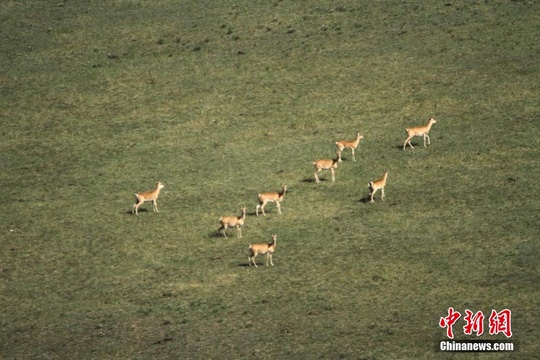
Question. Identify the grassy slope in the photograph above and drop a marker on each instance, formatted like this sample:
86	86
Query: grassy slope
221	101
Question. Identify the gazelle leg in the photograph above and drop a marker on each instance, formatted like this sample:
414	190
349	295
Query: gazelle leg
260	207
408	141
372	195
136	206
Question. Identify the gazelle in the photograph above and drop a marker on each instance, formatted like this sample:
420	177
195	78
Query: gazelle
325	164
419	131
267	197
152	196
231	221
348	144
376	185
268	249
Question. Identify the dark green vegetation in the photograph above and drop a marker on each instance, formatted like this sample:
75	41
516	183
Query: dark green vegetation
221	100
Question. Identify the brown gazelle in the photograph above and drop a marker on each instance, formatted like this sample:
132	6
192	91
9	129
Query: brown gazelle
232	221
152	196
348	144
267	197
419	131
268	249
376	185
325	164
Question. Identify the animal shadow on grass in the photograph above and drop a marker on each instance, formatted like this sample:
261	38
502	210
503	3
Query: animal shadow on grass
366	199
312	180
141	210
218	234
259	264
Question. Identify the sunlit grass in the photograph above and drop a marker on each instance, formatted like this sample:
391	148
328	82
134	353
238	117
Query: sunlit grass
222	101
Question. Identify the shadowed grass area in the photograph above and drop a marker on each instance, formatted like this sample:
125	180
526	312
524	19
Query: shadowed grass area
223	100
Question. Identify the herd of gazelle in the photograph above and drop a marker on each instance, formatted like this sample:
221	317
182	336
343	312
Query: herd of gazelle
277	197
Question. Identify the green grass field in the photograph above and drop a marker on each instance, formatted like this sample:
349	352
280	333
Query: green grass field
221	100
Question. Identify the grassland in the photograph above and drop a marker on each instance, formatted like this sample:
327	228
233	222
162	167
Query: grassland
222	100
